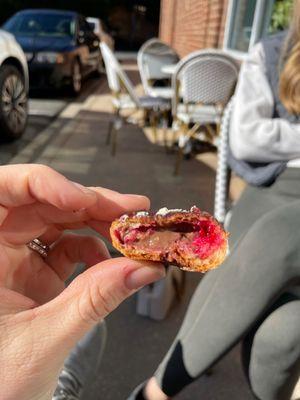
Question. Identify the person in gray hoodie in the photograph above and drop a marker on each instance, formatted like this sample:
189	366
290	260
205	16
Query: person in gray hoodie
254	296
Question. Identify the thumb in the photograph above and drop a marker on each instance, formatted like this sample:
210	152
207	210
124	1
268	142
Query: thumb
35	342
91	297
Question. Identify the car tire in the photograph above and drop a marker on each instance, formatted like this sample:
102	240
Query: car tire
13	104
76	78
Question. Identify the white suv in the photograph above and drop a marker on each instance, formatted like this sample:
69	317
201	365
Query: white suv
14	85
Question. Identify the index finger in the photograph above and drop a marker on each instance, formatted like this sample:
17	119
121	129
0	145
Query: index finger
112	204
28	183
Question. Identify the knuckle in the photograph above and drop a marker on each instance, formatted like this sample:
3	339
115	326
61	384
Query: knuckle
95	304
107	300
43	167
37	174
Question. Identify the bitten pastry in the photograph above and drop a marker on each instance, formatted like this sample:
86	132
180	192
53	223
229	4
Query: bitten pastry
192	240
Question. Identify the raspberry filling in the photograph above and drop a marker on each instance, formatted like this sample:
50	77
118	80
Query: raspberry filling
201	239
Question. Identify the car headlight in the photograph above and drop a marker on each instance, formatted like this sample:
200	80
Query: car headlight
49	57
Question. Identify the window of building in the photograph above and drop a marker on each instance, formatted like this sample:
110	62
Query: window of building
250	20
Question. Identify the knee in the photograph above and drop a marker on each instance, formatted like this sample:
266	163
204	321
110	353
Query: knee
278	336
275	352
276	345
274	239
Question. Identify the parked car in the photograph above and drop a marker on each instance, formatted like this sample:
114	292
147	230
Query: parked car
98	27
13	88
60	46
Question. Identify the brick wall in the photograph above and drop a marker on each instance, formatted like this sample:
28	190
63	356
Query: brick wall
222	25
189	25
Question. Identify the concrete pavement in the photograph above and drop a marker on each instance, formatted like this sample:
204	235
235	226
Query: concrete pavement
74	144
44	106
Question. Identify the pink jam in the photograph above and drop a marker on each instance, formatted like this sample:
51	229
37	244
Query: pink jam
208	239
202	239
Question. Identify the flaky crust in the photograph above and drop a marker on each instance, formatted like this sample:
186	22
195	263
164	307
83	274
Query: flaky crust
186	263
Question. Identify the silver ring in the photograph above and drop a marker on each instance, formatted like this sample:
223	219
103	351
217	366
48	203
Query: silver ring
39	247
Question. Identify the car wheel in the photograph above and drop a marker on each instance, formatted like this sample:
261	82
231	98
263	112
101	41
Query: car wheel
13	103
76	83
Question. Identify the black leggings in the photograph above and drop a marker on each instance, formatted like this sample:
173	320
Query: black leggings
254	296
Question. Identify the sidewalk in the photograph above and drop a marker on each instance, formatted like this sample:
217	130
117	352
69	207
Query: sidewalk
74	144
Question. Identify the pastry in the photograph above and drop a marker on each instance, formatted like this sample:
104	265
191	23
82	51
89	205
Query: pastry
192	240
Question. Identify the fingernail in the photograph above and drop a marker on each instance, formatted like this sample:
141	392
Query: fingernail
137	196
143	276
141	198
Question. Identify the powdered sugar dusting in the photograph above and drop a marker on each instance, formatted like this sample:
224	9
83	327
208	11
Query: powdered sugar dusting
142	214
164	211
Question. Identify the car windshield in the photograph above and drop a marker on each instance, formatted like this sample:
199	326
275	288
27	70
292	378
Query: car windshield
41	25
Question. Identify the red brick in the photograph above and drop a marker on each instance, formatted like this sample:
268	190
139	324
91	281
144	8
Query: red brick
190	25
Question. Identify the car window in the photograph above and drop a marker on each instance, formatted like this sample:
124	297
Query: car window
41	25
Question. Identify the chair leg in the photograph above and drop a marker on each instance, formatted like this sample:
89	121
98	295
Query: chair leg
165	131
146	117
153	120
109	132
114	141
174	135
211	133
178	161
165	134
182	141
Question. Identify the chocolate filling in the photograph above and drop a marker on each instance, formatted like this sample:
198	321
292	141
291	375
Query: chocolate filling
187	239
158	240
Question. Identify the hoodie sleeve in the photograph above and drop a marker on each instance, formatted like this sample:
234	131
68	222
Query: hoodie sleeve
254	135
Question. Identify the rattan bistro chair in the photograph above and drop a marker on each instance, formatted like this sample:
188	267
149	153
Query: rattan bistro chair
125	98
202	83
152	56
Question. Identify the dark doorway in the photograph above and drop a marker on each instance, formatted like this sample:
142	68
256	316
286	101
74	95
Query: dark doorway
133	22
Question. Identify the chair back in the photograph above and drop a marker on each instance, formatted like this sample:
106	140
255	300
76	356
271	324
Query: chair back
116	76
152	56
223	171
205	77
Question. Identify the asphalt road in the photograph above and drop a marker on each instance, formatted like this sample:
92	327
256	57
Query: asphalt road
44	106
